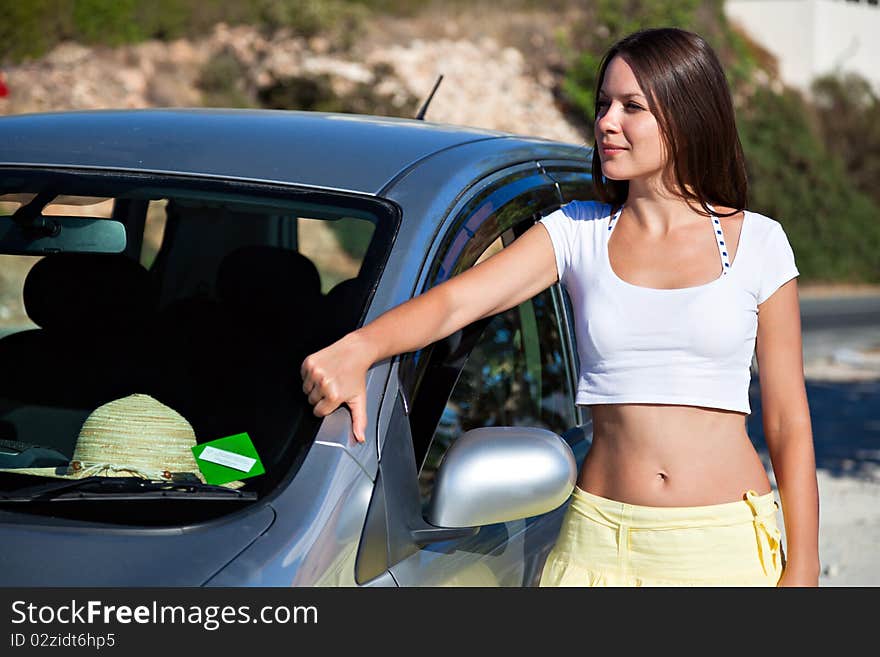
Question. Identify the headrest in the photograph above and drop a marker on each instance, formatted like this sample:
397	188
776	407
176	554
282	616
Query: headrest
347	291
268	281
342	308
84	292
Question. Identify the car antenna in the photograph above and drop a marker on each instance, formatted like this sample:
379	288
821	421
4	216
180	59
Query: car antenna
424	108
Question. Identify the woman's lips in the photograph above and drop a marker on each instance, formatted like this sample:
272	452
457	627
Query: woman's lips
611	151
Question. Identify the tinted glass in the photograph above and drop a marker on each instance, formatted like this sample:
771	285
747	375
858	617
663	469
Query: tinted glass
575	183
221	293
516	375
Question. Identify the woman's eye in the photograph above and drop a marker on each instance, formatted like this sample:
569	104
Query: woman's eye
629	106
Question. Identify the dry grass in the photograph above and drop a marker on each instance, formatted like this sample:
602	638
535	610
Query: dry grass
825	290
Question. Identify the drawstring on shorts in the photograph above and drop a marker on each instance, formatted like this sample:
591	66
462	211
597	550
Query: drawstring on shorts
769	536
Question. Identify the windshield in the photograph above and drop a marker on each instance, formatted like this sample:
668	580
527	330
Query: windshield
177	359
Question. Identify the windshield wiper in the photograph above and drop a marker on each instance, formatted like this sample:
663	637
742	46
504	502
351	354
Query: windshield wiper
123	488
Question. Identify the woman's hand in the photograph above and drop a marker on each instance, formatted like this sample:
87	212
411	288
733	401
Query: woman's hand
337	375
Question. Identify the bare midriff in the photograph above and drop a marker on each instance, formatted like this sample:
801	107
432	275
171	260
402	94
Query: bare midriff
671	455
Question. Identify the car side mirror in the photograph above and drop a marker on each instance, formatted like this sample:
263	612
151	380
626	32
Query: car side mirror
498	474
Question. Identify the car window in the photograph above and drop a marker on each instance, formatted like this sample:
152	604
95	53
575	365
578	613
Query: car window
575	182
336	247
516	374
222	291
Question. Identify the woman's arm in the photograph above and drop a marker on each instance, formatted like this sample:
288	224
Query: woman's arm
788	431
516	273
336	374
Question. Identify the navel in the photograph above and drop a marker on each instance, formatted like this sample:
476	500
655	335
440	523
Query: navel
662	476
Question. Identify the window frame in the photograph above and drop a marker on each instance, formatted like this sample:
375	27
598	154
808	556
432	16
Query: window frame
115	183
414	367
574	181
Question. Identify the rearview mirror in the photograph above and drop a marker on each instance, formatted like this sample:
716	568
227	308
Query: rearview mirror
61	234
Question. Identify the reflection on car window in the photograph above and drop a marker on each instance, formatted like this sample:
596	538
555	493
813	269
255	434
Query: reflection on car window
336	247
90	206
13	269
514	376
154	231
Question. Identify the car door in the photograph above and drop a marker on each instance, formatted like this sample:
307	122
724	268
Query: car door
515	368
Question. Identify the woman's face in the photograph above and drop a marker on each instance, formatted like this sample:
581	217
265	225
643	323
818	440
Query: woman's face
624	121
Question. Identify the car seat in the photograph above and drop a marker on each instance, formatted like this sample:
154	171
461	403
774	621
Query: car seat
92	345
271	301
192	335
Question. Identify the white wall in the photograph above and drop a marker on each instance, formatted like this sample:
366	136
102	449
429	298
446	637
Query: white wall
814	37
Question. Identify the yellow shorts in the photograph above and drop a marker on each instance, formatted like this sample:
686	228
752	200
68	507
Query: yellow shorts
607	543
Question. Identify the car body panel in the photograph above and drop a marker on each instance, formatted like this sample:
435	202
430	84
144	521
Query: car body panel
320	514
37	553
268	145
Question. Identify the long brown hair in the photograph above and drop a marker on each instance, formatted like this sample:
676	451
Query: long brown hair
688	93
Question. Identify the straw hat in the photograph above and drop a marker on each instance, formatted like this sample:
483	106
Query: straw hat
135	436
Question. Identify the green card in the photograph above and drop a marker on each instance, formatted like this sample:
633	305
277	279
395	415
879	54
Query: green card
228	459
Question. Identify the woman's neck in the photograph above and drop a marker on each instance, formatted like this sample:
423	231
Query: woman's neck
658	212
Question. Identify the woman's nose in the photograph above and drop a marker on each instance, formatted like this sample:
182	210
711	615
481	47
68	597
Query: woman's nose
608	120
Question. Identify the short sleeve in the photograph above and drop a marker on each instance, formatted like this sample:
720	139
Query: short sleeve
561	228
777	266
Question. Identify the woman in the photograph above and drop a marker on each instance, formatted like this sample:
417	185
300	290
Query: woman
672	492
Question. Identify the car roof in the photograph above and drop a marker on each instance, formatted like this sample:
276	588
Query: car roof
351	152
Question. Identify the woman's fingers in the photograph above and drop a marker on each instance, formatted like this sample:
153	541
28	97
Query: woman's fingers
334	376
309	373
318	393
357	406
314	383
324	408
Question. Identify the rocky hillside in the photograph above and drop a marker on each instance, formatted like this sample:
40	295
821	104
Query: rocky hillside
504	74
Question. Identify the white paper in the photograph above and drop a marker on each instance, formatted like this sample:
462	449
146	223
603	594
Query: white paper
229	459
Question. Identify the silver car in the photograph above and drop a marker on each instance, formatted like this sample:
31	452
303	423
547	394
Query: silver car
192	259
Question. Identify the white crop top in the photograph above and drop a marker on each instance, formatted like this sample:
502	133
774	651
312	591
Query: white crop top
691	346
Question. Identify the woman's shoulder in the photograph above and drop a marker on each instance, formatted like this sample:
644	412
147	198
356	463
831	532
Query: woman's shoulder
763	225
586	210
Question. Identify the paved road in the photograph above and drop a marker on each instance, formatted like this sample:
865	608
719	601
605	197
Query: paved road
840	312
840	325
